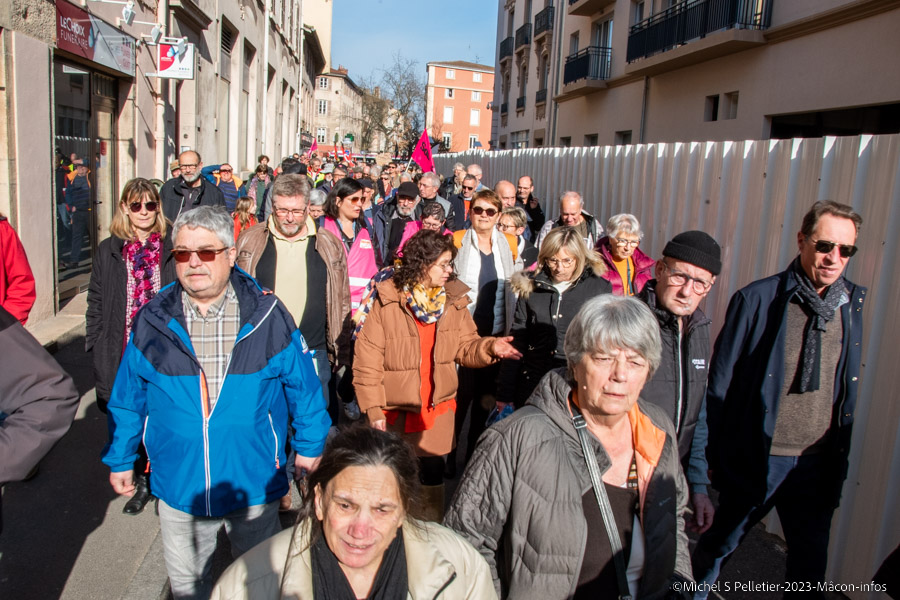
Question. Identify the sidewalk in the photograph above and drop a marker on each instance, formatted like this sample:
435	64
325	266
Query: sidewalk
66	326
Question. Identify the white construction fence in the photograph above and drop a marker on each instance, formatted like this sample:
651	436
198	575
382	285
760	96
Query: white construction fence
751	196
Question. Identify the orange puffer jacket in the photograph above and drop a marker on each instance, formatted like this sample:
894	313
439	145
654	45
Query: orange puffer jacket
386	364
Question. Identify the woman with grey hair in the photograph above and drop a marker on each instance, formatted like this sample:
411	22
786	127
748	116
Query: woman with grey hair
582	489
628	269
316	208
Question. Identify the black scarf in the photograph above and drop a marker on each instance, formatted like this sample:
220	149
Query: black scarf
329	581
819	311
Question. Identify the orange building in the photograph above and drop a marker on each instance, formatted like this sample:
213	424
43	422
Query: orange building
458	97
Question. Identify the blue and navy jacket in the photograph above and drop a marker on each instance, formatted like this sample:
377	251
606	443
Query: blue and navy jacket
213	462
746	375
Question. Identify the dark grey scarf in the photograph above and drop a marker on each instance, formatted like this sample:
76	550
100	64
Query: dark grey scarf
819	312
329	581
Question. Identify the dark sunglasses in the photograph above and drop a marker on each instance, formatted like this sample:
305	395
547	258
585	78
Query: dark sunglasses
823	247
478	210
184	256
225	171
136	206
465	187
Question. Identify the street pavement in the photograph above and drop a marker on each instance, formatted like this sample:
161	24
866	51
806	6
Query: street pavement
65	535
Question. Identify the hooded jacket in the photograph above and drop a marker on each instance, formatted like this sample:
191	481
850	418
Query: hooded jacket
211	462
387	355
539	327
17	291
106	305
520	500
679	384
746	376
643	268
440	565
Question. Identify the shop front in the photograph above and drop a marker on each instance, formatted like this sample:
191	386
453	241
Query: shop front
90	60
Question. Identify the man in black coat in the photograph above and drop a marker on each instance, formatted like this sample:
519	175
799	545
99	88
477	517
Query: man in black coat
190	190
691	261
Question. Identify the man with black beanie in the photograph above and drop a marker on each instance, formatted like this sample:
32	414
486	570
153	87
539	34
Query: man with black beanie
691	261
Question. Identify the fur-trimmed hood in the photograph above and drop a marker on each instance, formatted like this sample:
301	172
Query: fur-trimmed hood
523	282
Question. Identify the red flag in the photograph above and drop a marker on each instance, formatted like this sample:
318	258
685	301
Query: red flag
422	153
313	148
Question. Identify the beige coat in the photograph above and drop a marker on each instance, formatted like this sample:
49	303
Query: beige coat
440	566
250	246
387	358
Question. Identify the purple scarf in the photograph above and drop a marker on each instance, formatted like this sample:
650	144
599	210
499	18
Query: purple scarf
143	259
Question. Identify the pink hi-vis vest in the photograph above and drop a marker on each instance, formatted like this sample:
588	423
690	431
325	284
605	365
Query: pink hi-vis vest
361	265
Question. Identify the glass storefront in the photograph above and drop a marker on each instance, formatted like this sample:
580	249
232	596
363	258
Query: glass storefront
85	133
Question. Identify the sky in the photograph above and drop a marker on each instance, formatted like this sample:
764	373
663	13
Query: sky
367	33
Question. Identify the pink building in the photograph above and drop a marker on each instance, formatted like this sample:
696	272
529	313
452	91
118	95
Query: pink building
458	98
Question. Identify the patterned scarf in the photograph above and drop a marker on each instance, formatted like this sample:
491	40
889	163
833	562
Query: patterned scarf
426	304
368	299
144	277
819	312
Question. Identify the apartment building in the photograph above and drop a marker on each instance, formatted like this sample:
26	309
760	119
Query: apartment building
339	110
600	72
458	98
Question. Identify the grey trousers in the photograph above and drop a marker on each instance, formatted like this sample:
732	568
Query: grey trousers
189	543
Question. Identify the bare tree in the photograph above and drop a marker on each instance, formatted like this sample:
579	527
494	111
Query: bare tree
403	83
375	124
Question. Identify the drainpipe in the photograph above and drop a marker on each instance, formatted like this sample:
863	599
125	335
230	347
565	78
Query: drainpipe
554	113
302	39
162	171
265	81
644	109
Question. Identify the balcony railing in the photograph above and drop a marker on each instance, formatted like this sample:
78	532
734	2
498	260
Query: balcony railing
523	35
591	63
506	48
520	103
540	96
504	108
694	19
543	21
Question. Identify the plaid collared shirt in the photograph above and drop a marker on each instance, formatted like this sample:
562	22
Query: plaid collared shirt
213	337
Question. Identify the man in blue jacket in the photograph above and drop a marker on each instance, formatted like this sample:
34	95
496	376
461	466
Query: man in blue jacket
783	384
211	375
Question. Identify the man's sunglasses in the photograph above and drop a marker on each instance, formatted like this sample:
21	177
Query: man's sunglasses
466	187
206	255
478	210
150	206
823	247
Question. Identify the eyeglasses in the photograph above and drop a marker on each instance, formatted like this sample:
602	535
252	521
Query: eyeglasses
188	167
206	255
297	212
626	243
479	210
151	206
466	187
823	247
448	266
405	200
560	262
678	279
225	171
352	200
503	227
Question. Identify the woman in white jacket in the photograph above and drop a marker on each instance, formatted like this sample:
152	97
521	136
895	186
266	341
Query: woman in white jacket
357	536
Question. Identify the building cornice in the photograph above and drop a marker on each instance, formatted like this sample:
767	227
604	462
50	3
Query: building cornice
841	15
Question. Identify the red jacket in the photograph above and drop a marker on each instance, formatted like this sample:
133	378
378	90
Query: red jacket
16	280
643	268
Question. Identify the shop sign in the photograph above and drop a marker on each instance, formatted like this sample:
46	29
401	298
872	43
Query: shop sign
175	64
94	39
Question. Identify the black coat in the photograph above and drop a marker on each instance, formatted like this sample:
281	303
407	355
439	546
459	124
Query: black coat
684	367
172	197
105	317
539	327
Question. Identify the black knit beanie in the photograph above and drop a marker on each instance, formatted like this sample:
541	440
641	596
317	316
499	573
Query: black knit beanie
697	248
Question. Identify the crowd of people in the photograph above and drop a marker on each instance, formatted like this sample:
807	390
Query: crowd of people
234	325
